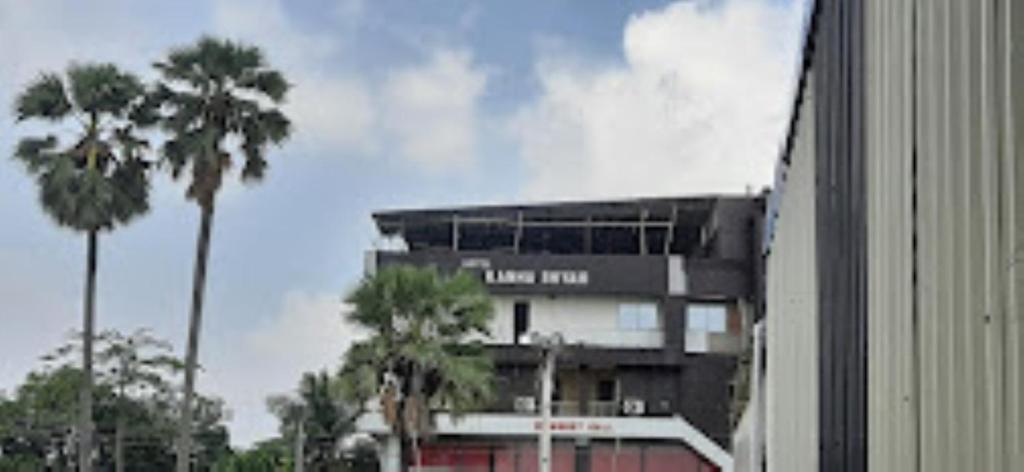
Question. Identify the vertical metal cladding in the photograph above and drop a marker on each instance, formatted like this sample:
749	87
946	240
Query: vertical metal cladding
791	382
899	242
892	409
944	235
841	245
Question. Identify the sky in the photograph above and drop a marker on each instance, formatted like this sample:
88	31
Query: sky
395	104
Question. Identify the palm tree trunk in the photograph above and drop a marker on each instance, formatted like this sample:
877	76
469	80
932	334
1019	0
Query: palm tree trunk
184	451
404	441
420	411
119	443
119	426
85	425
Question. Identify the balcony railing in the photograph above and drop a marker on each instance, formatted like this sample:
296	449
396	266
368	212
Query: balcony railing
594	408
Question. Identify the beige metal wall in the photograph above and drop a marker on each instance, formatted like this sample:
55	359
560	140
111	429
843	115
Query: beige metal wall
946	336
791	381
892	410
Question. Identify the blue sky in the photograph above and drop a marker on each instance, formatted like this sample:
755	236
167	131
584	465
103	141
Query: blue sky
396	104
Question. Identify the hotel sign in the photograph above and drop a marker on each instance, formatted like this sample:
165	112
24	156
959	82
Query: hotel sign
532	277
528	274
494	276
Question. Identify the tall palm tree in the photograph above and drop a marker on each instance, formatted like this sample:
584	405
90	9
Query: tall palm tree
214	93
91	179
420	357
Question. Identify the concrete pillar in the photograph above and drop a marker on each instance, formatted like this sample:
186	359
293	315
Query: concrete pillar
390	454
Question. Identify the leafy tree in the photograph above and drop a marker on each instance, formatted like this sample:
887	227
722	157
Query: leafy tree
36	425
215	92
267	456
419	358
136	366
37	421
318	419
90	180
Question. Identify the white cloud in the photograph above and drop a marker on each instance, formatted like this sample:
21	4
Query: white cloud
309	333
332	111
431	110
699	106
427	111
42	36
37	312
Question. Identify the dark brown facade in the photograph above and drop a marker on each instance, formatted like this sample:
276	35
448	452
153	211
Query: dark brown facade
676	252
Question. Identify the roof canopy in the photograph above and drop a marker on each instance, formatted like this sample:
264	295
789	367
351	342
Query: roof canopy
644	226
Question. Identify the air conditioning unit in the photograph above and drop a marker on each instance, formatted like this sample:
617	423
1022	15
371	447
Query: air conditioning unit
633	407
525	404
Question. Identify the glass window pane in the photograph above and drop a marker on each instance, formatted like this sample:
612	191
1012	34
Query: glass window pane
638	316
647	316
717	320
707	317
627	318
696	319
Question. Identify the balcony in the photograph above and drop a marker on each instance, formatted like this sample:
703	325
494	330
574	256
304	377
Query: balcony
594	408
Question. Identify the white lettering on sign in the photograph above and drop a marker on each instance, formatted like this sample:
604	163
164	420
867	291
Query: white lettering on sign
510	277
562	425
476	263
530	277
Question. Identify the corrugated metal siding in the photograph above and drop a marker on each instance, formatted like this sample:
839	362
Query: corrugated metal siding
892	407
841	246
792	310
944	234
941	104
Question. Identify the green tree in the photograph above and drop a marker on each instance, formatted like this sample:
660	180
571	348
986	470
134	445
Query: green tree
318	418
91	180
420	357
272	455
215	93
137	367
37	425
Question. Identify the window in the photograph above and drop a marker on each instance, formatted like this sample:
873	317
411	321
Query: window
521	320
706	318
638	316
606	390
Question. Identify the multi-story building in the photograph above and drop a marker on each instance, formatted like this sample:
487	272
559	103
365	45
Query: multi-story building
653	298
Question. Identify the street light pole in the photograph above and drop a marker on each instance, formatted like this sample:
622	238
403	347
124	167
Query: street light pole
545	410
549	346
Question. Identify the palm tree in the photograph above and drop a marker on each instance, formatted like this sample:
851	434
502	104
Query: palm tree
419	358
314	421
93	180
214	92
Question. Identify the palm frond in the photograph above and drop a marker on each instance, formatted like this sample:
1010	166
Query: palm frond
267	82
37	153
85	184
45	99
103	88
213	92
420	322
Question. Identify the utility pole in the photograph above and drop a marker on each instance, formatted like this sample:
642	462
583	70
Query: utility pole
549	345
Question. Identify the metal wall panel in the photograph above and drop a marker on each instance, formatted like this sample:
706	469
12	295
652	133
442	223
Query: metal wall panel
838	57
791	382
892	407
937	87
944	234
